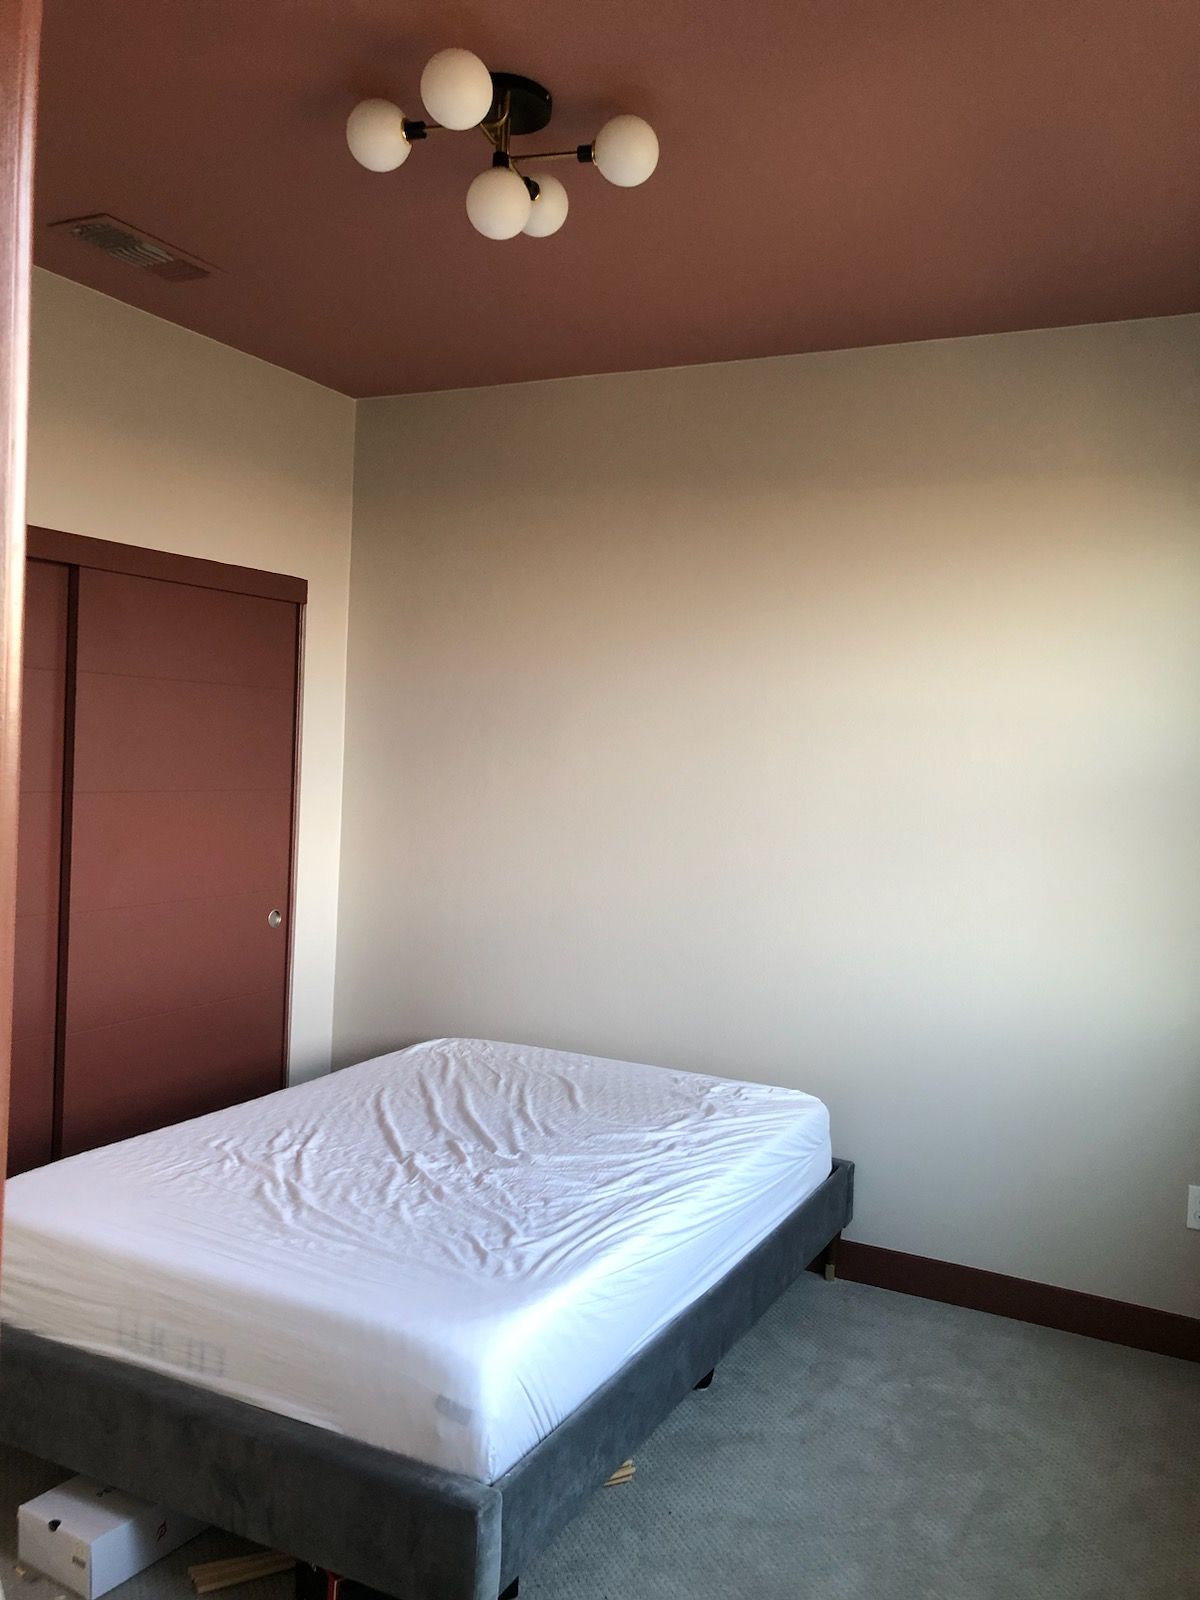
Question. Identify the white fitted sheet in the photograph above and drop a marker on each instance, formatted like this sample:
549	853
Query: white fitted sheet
443	1251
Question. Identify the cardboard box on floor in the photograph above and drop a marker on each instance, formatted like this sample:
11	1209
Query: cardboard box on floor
90	1538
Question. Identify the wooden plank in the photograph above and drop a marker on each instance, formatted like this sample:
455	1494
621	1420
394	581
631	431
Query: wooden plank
210	1576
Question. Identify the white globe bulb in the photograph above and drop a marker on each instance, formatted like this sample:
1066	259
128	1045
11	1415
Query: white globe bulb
456	89
626	151
549	211
498	203
375	134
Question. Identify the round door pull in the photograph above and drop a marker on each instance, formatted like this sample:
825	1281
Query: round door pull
274	918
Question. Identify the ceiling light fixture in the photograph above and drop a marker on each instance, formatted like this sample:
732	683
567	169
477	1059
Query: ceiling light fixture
513	195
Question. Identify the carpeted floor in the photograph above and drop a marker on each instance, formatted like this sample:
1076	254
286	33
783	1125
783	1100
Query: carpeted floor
861	1445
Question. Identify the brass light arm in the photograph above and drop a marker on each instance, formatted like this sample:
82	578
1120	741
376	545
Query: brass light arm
498	131
581	152
417	128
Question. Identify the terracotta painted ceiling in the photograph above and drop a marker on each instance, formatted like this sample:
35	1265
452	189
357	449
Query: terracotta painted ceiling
834	173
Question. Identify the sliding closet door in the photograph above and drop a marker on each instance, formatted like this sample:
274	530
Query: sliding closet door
180	845
31	1113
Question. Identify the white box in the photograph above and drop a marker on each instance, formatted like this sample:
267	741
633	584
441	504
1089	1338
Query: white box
89	1538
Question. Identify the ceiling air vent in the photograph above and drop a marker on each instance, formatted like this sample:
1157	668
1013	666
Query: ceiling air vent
139	249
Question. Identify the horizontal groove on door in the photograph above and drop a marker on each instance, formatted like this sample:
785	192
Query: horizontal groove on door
168	677
79	1031
195	900
271	788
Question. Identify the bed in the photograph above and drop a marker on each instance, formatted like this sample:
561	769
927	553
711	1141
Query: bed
401	1321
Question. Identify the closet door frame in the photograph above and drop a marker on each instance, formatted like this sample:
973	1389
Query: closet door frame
76	551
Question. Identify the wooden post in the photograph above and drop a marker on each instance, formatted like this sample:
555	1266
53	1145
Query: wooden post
830	1258
20	35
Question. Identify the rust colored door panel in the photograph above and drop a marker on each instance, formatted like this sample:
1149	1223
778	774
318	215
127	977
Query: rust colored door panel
43	697
181	819
145	848
44	648
152	735
39	847
35	991
31	1114
147	1071
156	629
35	1004
172	956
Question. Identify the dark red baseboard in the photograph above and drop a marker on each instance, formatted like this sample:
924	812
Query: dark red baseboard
1165	1332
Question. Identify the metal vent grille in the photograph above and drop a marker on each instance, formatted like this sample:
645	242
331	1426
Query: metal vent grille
139	249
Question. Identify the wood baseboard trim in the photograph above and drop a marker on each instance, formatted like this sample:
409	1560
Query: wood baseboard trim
1165	1332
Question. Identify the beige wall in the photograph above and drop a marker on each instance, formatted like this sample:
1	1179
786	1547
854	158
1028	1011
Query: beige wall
145	433
833	720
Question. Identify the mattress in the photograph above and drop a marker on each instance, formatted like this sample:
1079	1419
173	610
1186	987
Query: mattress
442	1251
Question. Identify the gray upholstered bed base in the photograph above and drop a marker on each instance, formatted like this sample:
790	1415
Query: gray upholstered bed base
409	1530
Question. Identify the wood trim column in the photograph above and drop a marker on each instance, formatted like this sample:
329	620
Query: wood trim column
20	34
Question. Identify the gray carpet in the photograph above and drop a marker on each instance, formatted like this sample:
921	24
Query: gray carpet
861	1445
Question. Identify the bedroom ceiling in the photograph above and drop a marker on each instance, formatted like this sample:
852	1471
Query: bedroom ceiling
834	173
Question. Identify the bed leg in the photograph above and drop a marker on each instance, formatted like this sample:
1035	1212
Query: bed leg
706	1380
512	1591
830	1258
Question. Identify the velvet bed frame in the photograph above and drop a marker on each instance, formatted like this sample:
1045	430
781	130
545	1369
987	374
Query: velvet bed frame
408	1530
